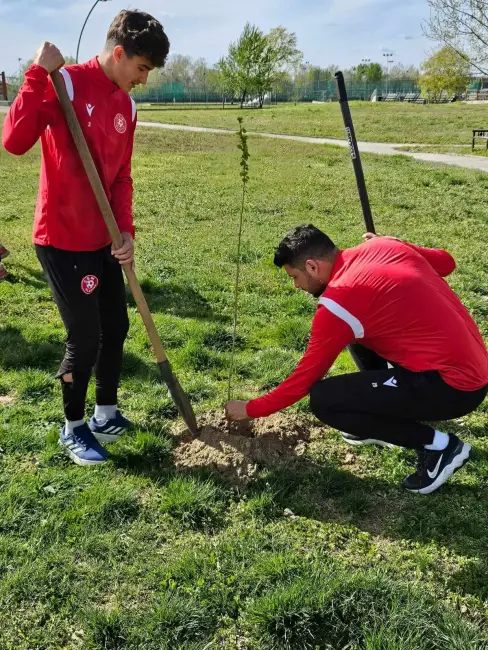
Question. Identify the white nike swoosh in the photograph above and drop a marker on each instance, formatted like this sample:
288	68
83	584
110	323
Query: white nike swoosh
436	469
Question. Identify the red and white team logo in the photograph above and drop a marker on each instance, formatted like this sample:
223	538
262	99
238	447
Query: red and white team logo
89	284
120	123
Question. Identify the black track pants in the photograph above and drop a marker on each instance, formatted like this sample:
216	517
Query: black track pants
88	288
390	404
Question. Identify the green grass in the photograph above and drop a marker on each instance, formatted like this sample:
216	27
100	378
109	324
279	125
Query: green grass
375	122
136	555
460	150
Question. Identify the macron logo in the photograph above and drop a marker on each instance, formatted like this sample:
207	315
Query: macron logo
89	108
391	382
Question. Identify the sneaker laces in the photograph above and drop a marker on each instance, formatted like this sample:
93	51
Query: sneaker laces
80	440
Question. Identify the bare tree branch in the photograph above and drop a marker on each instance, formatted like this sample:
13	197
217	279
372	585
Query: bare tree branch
463	25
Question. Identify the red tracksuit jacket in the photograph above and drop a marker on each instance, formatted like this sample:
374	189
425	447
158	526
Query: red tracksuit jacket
67	215
389	296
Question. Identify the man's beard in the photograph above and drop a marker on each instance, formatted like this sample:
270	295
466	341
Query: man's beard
315	287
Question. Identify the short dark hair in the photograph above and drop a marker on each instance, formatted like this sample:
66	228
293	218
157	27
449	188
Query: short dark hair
301	244
140	35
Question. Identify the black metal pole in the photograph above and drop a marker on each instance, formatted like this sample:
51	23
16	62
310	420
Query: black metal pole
83	29
363	358
353	146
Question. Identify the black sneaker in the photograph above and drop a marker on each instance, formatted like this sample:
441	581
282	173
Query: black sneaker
436	467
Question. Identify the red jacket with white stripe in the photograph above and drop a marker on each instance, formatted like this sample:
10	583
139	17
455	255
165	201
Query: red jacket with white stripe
389	296
67	215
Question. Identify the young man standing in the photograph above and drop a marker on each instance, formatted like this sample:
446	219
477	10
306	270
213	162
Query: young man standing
71	239
390	297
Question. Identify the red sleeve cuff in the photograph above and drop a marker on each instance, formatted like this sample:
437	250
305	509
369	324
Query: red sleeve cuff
37	72
253	410
127	227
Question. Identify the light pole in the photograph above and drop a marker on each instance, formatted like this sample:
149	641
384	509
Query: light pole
389	59
172	86
84	24
365	62
168	71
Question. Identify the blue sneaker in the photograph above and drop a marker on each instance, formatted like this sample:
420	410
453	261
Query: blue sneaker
82	447
109	431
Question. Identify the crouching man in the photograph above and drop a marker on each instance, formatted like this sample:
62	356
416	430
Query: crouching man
389	298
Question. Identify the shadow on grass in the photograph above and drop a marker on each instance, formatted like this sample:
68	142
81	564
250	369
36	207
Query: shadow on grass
176	299
454	517
21	274
17	352
134	366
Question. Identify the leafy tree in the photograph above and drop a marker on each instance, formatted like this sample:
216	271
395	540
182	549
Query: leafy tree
256	61
369	72
445	71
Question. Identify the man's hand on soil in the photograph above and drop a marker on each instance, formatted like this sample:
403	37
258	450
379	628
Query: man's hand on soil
371	235
236	411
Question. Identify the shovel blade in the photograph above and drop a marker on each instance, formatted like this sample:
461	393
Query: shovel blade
178	396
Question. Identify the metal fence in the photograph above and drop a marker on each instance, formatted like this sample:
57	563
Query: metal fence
327	90
323	91
178	93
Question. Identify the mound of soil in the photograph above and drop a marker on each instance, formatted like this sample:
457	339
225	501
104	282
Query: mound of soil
238	450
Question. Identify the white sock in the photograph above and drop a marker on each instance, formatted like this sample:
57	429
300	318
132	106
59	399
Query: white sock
71	424
440	442
105	413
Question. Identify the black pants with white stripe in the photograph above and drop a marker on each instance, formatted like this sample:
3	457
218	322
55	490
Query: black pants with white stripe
89	291
390	404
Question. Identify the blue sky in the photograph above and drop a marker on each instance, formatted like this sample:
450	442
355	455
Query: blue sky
329	31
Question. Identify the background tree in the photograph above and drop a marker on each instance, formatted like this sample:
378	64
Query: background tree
280	55
257	62
302	73
178	69
238	70
445	71
399	71
368	72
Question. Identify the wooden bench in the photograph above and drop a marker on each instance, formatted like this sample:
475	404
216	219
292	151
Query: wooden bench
481	134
